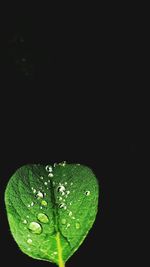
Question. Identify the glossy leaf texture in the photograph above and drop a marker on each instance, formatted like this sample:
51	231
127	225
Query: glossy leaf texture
51	209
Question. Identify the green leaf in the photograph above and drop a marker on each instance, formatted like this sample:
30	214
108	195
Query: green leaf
51	209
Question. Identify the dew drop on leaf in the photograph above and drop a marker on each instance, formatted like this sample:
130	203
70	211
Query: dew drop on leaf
29	241
62	206
43	218
50	174
70	213
87	193
25	221
39	195
63	221
49	168
35	228
62	163
68	225
77	225
61	189
43	203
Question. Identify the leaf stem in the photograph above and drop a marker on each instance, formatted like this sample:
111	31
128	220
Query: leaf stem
61	262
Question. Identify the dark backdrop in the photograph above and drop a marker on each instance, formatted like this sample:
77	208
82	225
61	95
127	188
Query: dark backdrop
66	95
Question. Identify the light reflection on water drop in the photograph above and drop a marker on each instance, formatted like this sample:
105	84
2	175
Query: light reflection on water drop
43	203
62	206
87	193
50	174
43	218
61	189
49	168
39	195
35	227
29	241
63	221
77	225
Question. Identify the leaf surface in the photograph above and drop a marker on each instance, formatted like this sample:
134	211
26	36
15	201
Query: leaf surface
51	209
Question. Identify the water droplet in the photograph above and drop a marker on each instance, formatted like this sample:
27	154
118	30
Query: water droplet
43	218
71	183
73	218
60	198
65	183
62	206
49	168
50	174
39	195
77	225
32	204
27	216
43	203
41	177
34	191
68	225
53	183
55	252
68	192
61	189
63	221
41	208
44	194
35	227
45	183
70	213
28	206
62	163
25	221
29	241
48	181
87	193
70	203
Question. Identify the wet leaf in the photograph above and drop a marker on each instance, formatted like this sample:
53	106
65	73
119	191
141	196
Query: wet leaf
51	209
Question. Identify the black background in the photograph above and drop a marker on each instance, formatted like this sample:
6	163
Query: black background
76	104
